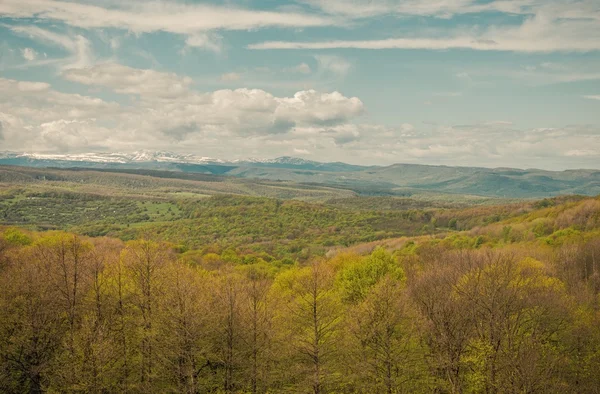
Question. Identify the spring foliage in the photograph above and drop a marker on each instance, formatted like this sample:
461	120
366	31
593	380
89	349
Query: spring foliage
507	308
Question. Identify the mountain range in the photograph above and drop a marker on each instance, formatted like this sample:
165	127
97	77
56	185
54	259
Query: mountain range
397	179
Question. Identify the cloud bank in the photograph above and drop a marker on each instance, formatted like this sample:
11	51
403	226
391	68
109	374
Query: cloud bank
164	109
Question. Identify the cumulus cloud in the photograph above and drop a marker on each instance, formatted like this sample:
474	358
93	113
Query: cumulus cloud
65	135
26	105
167	111
320	108
344	134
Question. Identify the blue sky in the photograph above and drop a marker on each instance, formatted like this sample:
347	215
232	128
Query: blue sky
457	82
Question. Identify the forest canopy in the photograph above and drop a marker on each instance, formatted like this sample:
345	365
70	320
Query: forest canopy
510	305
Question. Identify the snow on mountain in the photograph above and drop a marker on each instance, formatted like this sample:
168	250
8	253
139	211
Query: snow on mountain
152	159
163	160
279	160
119	158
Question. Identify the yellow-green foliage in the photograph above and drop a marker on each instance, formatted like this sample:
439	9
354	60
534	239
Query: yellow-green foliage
357	278
16	237
443	315
250	295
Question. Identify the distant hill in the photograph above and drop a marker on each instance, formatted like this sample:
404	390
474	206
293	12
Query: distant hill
394	180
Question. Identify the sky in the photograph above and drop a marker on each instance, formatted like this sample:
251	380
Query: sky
490	83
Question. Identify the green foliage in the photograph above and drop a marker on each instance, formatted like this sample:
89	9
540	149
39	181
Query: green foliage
357	279
235	293
450	317
16	237
506	230
542	228
280	228
560	237
453	224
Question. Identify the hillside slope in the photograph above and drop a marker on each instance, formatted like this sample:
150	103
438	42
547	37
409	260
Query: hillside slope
397	179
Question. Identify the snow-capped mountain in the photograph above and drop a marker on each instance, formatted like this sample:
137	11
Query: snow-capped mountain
145	156
157	157
294	161
122	158
162	160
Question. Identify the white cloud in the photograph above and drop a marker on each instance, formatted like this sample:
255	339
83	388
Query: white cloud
26	86
29	54
513	41
301	151
582	152
65	135
489	144
127	80
35	117
165	111
568	70
168	112
343	134
146	17
312	107
78	46
333	64
406	129
358	9
592	97
207	41
551	26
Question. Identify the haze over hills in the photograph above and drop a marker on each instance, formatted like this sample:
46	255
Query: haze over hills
397	179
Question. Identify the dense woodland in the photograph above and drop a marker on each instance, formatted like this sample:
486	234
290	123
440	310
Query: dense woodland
509	306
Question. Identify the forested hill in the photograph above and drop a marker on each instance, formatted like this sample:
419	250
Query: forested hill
397	179
155	281
509	306
271	220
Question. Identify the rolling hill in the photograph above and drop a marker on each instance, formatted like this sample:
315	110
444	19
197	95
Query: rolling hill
394	180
